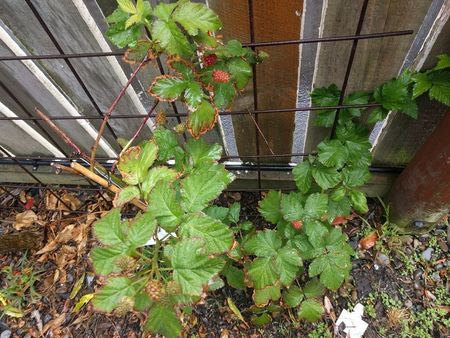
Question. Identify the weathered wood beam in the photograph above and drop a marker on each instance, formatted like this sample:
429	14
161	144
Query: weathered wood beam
23	240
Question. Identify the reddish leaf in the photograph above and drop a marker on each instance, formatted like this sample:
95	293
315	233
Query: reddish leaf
29	204
368	241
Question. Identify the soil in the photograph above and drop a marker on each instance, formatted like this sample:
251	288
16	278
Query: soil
396	280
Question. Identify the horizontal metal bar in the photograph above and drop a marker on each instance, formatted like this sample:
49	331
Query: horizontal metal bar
236	167
254	44
235	112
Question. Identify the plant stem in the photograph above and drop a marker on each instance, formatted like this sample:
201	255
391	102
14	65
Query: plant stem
155	259
111	109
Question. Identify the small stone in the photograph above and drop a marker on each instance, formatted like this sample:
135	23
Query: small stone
426	255
417	285
417	274
447	263
408	304
435	276
354	295
382	259
419	224
439	266
443	245
6	334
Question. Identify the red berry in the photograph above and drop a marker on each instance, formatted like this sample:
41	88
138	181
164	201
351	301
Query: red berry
297	224
220	76
209	60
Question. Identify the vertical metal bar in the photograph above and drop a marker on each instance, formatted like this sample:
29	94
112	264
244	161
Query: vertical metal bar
255	91
349	65
70	65
38	124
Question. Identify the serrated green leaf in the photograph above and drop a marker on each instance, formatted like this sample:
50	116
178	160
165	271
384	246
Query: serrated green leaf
142	302
316	232
135	162
325	177
303	176
192	267
127	6
355	176
393	94
359	201
444	62
155	176
288	263
440	90
377	115
269	207
202	119
135	18
338	194
219	213
316	205
293	296
141	229
110	230
168	88
126	195
234	48
333	268
354	99
110	295
201	152
104	259
332	153
195	17
163	320
305	248
292	206
224	95
325	96
234	212
421	84
203	185
171	38
262	272
241	72
262	319
193	94
164	11
117	16
262	297
235	277
163	205
122	37
218	237
310	310
264	244
313	288
339	208
167	144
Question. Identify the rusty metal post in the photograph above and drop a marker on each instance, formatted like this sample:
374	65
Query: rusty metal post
420	196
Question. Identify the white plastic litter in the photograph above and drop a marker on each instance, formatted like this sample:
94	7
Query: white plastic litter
354	325
161	234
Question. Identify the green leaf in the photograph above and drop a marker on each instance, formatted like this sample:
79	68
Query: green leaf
332	153
164	11
192	267
339	208
241	72
201	152
218	237
104	259
167	87
393	94
316	232
163	205
421	84
325	177
316	205
126	195
355	176
141	229
234	48
117	16
110	230
234	213
202	119
235	277
303	176
264	244
171	38
142	302
444	62
338	194
377	115
135	18
224	95
325	96
155	176
291	206
293	296
354	99
333	269
269	207
440	90
359	201
288	263
261	320
127	6
203	185
193	94
110	296
305	248
262	272
310	310
262	297
163	320
219	213
313	289
195	17
121	36
410	108
135	162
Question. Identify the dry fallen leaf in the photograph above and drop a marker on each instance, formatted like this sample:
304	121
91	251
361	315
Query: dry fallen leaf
368	241
25	219
63	237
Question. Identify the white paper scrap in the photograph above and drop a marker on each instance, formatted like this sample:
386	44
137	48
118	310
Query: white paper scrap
354	325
